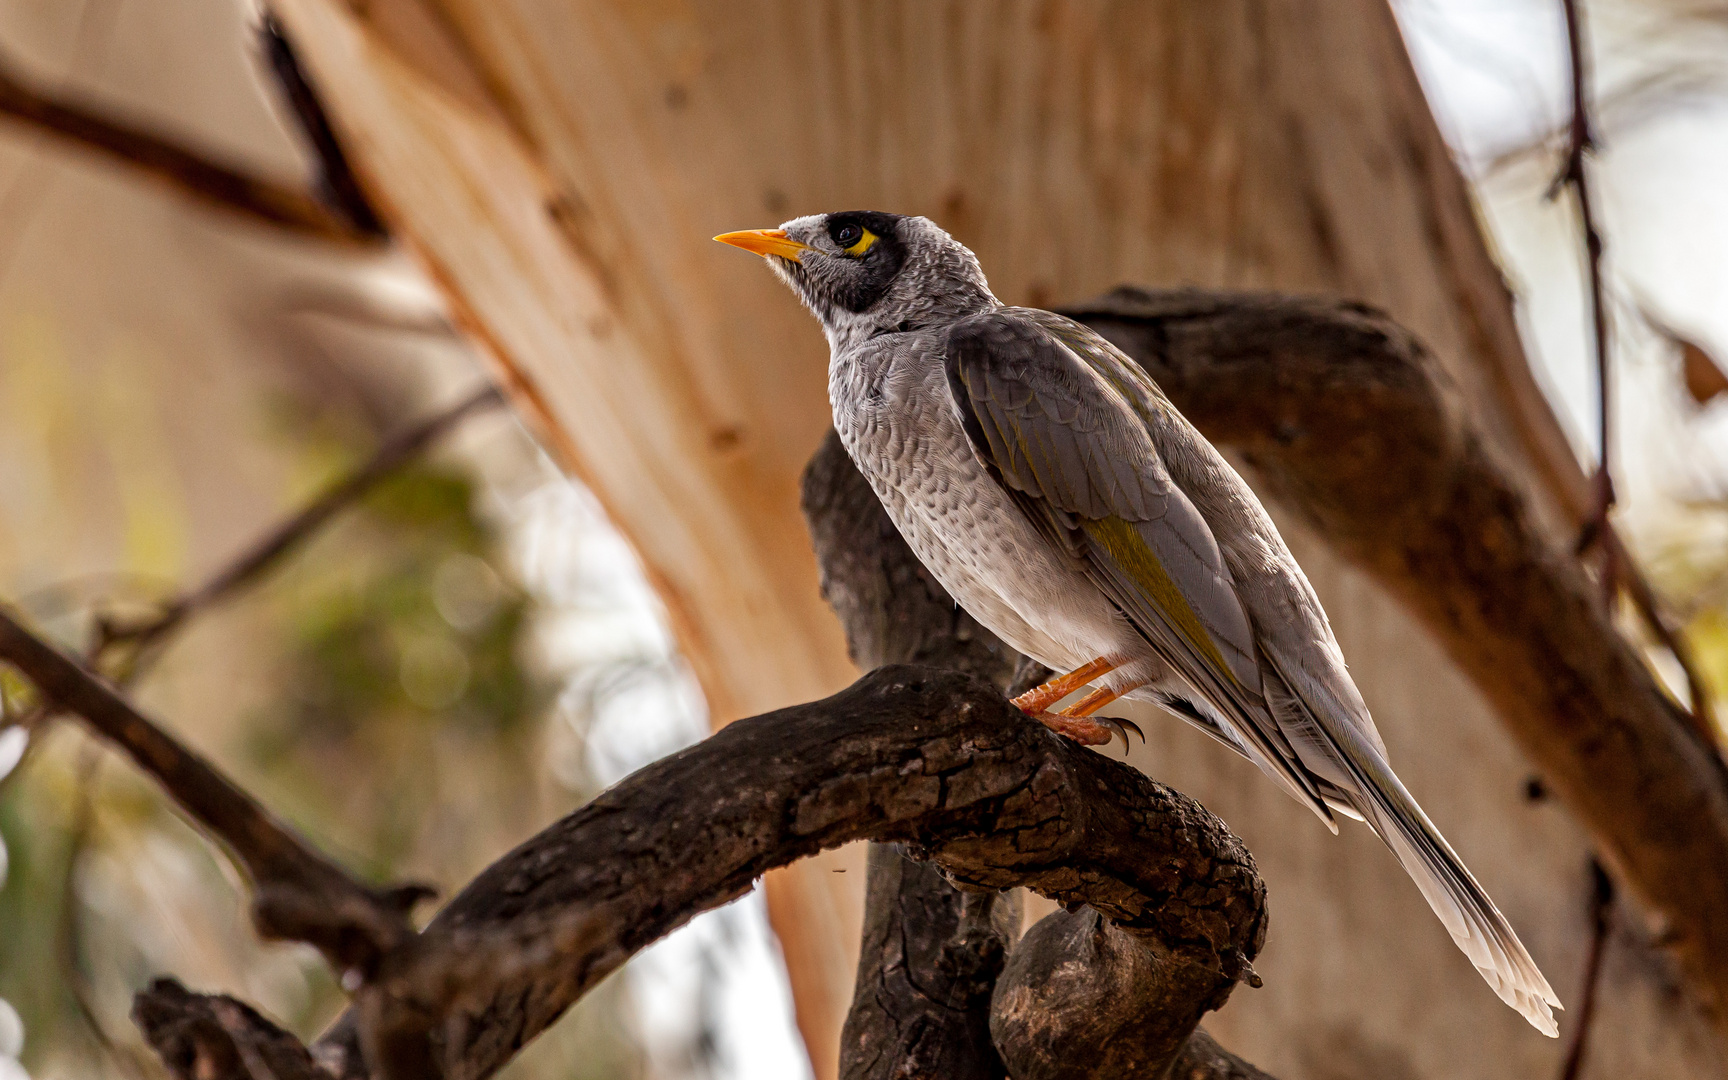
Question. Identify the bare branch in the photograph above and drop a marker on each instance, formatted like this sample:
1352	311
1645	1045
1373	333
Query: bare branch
341	188
1581	140
936	760
173	164
1598	530
1343	417
298	894
216	1037
1601	907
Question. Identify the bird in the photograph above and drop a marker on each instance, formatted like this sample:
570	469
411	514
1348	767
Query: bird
1052	488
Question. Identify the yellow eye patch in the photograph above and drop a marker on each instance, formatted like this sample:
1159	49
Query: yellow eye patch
863	243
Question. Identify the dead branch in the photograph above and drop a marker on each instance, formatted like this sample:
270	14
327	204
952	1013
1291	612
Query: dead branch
1598	530
936	760
1343	416
1601	910
1581	140
1082	1000
298	894
173	164
217	1037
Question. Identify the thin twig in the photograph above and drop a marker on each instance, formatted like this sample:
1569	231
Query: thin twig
173	163
1601	905
299	895
396	452
1598	531
1581	140
341	189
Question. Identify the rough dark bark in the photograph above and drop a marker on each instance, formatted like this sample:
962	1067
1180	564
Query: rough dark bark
930	957
1347	420
1201	1058
935	759
1082	1000
216	1037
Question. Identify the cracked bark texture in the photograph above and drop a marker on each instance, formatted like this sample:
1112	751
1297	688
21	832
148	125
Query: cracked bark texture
935	759
1081	999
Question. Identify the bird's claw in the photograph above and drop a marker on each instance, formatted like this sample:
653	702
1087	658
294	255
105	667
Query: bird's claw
1122	728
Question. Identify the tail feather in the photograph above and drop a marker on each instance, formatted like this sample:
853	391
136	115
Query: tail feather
1463	906
1360	777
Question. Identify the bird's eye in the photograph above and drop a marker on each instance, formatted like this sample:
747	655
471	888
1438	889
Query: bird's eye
853	239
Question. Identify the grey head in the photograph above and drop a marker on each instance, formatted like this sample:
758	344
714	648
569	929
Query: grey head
864	273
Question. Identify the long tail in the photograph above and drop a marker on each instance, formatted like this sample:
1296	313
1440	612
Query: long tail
1365	786
1452	891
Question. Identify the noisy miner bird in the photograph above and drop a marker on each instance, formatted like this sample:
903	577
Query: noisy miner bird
1062	500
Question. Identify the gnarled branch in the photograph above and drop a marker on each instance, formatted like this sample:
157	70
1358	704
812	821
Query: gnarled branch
933	759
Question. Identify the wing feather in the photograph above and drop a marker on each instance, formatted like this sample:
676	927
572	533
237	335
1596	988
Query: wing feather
1079	463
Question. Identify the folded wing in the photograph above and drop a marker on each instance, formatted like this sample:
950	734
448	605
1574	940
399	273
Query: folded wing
1070	451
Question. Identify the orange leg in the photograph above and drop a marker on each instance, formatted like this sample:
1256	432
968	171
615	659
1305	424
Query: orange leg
1096	700
1040	698
1076	722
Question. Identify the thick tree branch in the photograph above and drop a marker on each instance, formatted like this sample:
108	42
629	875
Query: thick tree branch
927	967
936	760
1345	419
169	162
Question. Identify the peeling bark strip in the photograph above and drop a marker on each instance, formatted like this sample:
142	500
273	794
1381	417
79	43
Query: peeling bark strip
934	759
1346	420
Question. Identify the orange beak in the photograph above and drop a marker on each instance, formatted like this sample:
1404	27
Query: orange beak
765	242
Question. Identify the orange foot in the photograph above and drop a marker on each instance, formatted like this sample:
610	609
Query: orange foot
1089	731
1086	732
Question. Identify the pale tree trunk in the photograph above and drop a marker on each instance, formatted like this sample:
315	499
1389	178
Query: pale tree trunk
560	165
